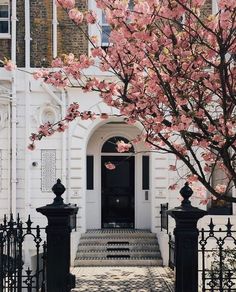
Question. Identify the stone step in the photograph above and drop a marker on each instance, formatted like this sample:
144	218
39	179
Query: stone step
116	240
135	247
88	262
114	247
105	254
114	233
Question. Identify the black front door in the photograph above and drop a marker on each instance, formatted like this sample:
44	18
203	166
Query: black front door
118	192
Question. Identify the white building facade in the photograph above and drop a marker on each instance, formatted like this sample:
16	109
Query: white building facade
137	188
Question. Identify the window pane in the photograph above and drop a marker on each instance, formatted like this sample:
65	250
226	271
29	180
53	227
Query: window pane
110	145
106	30
4	27
90	166
4	11
145	172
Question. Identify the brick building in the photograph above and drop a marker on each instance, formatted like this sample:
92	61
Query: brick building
31	34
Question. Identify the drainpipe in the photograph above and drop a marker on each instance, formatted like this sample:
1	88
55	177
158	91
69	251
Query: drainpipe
12	135
54	28
64	142
69	137
215	8
27	34
27	107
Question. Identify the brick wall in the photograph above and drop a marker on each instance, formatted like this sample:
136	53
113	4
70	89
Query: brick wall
41	32
20	32
70	37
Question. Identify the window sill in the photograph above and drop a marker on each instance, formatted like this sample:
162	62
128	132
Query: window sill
5	36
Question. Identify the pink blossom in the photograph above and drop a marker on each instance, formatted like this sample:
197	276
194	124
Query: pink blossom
192	178
57	62
122	146
61	127
9	65
46	130
204	201
33	137
91	17
220	188
76	15
110	166
172	167
104	116
97	52
173	186
31	146
67	4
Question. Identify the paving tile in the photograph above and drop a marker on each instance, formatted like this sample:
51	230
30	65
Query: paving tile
123	279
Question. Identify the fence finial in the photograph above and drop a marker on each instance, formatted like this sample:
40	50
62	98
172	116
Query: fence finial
186	192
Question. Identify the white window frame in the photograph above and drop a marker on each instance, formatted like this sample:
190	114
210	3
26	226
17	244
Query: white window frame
103	24
8	19
93	29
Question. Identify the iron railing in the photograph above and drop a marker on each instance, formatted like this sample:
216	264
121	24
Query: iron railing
15	276
171	252
164	217
217	258
217	264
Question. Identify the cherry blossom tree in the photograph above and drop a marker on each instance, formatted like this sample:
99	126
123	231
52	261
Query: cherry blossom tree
174	72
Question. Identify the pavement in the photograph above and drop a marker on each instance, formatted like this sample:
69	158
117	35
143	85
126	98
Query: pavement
123	279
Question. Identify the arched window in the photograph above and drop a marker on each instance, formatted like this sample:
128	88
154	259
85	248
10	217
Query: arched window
110	145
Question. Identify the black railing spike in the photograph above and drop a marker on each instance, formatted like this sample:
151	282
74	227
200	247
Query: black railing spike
229	225
211	226
11	221
28	223
37	231
18	221
5	220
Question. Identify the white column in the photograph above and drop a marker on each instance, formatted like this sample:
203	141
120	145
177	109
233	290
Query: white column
27	34
54	28
12	112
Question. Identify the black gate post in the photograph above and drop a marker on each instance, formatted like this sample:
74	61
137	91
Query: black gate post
58	277
186	242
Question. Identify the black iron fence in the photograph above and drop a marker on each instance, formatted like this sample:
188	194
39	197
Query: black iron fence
164	217
217	258
171	252
217	265
14	274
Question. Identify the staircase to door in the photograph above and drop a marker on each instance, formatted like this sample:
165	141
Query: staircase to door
118	247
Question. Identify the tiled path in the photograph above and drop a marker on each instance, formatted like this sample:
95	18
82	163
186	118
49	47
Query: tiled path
123	279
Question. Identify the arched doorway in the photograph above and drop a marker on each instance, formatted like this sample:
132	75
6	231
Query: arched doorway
141	196
117	186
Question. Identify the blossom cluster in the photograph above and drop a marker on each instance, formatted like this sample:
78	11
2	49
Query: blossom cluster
175	74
